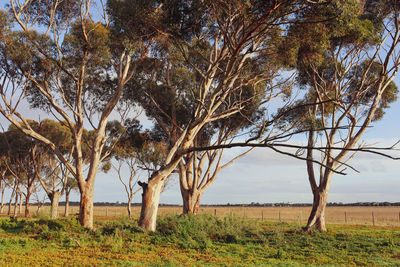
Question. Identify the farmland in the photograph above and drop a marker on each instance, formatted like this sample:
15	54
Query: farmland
351	215
193	241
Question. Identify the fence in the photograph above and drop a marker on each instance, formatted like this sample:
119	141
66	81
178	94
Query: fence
376	216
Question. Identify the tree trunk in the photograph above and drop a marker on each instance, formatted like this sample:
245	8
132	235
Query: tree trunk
317	216
150	200
15	205
20	205
130	207
9	207
191	201
86	207
54	199
66	211
10	203
11	198
196	205
38	208
27	198
2	198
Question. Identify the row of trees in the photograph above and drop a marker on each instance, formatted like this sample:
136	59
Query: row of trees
204	72
27	166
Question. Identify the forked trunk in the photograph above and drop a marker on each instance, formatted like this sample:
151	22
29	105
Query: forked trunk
54	199
150	200
320	192
317	216
86	207
66	211
191	201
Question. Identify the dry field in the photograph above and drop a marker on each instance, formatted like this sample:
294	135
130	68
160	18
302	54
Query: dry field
378	216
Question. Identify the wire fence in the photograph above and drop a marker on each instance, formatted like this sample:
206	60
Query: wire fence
375	216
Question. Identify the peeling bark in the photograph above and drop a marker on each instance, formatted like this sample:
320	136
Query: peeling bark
86	207
55	199
191	201
317	216
150	200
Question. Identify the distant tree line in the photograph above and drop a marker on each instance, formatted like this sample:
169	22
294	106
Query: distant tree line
329	204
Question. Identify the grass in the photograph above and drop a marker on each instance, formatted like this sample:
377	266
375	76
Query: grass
193	241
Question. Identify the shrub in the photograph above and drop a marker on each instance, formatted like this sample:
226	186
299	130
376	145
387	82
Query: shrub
43	228
42	215
59	225
11	224
200	231
120	225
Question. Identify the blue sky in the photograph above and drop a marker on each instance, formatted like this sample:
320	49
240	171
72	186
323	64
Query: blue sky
264	176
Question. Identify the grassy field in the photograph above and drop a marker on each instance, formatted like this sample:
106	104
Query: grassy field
193	241
379	216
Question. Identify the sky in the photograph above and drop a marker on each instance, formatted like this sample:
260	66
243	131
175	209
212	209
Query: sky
266	177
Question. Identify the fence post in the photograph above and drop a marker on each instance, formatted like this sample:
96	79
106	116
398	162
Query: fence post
215	212
345	217
279	215
262	215
373	219
106	211
300	218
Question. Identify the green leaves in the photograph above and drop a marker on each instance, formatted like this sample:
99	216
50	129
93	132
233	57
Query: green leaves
90	40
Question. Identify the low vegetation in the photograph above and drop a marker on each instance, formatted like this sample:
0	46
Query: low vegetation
193	240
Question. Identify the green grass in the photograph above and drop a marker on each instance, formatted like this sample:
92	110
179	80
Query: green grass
193	241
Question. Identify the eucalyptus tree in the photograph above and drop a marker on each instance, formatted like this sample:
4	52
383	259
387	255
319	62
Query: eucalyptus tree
31	163
3	179
50	172
199	169
71	185
135	152
347	64
124	156
18	148
13	185
64	57
204	62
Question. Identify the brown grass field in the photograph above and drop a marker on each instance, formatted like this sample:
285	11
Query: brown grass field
352	215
